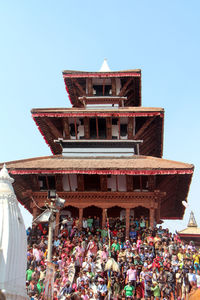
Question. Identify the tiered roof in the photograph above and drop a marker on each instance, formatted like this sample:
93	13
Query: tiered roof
50	123
123	87
76	81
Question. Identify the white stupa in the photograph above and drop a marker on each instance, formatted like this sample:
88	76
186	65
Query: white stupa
13	242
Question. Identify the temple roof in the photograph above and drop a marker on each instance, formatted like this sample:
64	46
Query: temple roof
50	123
172	178
121	73
189	231
141	165
122	111
192	228
77	82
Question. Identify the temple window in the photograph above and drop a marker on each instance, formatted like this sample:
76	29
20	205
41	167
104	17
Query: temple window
121	183
115	129
97	128
111	183
51	182
92	183
123	128
70	182
47	182
102	90
99	87
42	182
140	183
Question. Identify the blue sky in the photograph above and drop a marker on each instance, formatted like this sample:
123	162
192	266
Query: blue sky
39	39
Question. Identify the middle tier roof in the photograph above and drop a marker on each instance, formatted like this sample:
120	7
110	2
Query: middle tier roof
125	123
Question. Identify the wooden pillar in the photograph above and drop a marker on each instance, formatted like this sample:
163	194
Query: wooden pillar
90	87
151	183
86	128
59	183
109	128
129	183
66	129
103	182
151	217
113	82
80	182
57	223
130	128
127	222
103	217
80	224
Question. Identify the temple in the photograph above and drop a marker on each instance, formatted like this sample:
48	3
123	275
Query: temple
107	154
192	232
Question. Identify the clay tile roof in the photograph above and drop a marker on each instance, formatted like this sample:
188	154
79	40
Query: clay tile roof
83	111
132	165
87	73
190	231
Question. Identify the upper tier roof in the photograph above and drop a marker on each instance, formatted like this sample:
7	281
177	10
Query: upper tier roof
80	83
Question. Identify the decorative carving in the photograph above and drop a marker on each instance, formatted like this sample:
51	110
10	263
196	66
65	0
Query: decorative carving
104	199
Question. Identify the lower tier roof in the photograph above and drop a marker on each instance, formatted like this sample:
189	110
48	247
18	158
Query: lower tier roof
172	178
137	164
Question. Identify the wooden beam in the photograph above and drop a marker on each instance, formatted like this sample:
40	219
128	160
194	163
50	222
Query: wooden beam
97	128
113	82
165	181
130	98
70	186
80	182
109	128
57	134
129	183
59	183
130	128
143	128
66	128
125	87
103	86
34	182
119	128
75	125
86	128
151	183
103	182
90	87
81	90
116	183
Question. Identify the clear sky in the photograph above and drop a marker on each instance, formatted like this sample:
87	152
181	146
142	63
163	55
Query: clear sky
39	39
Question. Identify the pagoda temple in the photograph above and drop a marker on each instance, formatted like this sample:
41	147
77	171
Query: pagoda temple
107	154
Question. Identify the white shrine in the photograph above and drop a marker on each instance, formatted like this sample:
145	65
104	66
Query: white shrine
13	242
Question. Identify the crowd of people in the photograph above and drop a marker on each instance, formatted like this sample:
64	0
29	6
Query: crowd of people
103	263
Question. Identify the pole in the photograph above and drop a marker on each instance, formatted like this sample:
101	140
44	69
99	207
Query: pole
50	233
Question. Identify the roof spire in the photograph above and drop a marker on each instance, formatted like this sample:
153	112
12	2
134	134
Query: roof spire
192	222
105	67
